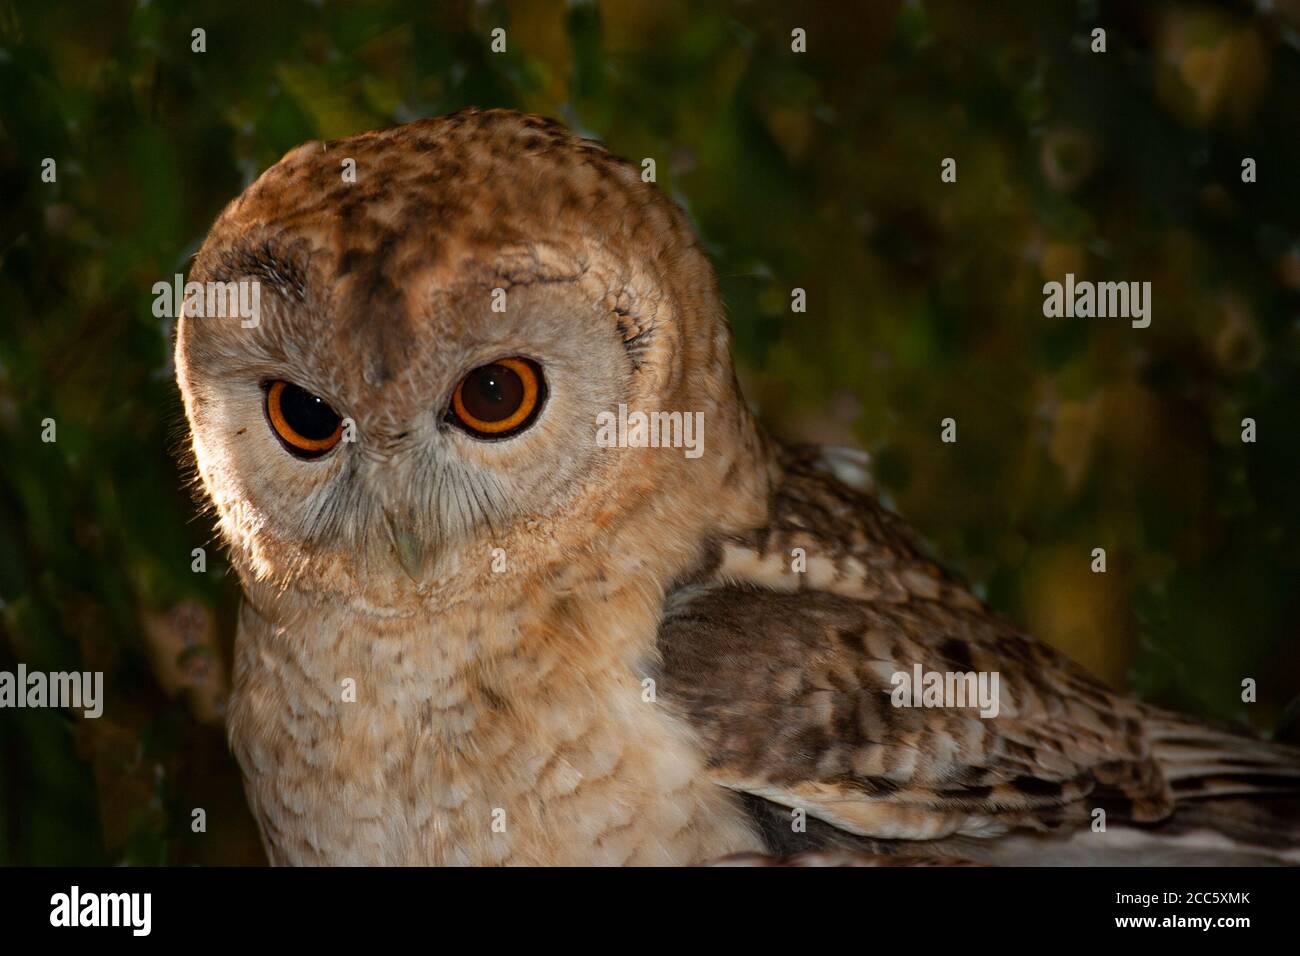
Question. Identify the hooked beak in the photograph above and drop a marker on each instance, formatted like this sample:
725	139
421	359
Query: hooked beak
410	550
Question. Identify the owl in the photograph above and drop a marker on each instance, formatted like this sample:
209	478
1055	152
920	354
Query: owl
525	582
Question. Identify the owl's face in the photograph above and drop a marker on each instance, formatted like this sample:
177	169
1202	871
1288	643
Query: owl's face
415	407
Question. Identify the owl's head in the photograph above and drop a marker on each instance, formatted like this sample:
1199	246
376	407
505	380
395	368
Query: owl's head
449	316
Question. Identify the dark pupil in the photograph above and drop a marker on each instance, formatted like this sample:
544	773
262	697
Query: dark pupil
492	393
306	414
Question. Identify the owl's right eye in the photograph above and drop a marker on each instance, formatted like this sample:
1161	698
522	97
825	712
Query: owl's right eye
304	423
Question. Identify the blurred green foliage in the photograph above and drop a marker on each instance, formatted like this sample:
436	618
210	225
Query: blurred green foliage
816	170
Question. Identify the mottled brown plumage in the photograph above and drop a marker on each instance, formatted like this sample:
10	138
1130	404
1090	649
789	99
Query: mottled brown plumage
568	653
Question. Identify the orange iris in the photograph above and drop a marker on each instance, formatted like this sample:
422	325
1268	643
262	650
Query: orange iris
305	423
498	398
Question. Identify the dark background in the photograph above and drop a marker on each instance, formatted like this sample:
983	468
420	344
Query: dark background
818	170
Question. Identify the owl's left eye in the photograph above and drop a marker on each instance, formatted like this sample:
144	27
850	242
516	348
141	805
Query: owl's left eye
303	422
499	399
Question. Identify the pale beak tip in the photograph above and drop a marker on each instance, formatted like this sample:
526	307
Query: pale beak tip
409	549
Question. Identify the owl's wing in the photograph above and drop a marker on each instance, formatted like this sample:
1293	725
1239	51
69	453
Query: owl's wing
784	657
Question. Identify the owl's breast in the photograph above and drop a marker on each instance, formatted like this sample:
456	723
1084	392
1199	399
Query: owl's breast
396	747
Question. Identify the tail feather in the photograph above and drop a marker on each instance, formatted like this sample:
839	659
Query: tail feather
1207	763
1187	750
